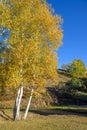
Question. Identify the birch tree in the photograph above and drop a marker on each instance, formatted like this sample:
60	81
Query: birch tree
35	35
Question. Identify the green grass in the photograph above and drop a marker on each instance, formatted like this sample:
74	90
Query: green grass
68	108
51	118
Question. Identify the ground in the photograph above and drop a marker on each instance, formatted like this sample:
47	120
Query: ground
48	119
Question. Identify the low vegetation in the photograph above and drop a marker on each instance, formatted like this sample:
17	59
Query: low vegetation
50	118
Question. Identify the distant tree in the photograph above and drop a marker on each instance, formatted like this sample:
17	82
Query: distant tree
77	69
66	66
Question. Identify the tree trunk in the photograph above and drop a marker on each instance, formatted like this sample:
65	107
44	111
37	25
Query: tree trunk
16	113
28	105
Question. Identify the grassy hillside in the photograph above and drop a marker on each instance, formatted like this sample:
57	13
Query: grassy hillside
71	90
61	94
63	76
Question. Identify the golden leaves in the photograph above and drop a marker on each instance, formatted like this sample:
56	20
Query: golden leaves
35	35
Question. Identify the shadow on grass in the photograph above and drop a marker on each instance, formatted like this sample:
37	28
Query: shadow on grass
4	115
46	112
50	111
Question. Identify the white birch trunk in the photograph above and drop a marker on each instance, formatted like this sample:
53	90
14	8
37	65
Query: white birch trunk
19	97
17	104
28	105
3	1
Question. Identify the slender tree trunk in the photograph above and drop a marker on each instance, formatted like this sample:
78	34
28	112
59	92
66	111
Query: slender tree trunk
28	105
16	113
3	1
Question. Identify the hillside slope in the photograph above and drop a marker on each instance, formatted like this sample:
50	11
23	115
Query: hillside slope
63	76
69	90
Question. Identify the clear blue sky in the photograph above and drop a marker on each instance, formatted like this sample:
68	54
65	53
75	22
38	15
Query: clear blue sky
74	14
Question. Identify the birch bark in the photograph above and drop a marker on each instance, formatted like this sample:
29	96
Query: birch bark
16	114
28	105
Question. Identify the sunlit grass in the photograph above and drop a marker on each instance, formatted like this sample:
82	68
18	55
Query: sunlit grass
51	118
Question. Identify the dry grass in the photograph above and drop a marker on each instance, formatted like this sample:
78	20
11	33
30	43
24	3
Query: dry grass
63	76
48	119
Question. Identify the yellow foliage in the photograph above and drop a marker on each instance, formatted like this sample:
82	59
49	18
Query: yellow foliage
35	35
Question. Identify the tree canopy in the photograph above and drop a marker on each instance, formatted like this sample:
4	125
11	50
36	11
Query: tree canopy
35	35
78	69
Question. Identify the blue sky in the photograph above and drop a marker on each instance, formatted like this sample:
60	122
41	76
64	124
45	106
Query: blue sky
74	14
